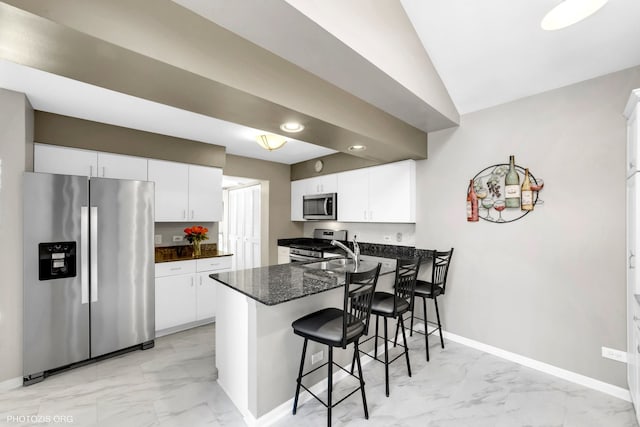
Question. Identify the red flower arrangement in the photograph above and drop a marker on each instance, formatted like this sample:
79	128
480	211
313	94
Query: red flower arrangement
197	233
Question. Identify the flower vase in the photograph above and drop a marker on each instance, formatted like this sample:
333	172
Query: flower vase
196	248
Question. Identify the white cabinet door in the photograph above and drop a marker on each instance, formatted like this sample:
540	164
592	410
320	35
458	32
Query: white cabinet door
175	301
205	193
353	196
172	184
392	192
119	166
321	184
64	160
206	296
297	191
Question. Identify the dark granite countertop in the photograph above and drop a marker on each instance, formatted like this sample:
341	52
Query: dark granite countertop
185	253
276	284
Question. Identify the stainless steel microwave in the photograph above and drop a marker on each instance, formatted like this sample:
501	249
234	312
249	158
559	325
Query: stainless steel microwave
320	206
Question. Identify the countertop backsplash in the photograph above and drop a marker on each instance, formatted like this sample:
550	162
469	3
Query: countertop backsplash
382	233
169	229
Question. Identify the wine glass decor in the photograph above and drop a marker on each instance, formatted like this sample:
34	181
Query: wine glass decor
490	188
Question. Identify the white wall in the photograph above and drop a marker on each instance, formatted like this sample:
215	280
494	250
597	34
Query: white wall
550	286
16	135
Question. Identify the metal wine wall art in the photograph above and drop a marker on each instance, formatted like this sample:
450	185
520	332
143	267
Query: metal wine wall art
503	193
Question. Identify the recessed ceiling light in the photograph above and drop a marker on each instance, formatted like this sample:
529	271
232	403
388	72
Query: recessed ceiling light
568	12
357	148
291	127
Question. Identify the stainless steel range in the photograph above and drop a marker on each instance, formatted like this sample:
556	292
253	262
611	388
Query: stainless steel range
318	247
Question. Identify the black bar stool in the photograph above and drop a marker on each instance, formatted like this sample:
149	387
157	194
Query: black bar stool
338	328
394	305
431	290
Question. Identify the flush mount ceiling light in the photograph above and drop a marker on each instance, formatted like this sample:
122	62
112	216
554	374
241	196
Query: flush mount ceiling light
270	142
568	12
291	127
357	148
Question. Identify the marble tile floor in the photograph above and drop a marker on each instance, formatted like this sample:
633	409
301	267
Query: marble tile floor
174	384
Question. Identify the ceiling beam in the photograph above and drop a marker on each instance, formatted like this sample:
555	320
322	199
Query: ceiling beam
157	50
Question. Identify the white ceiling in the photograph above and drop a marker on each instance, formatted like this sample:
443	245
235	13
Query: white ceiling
55	94
487	53
493	51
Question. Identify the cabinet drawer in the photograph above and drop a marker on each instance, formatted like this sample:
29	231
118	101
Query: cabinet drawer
175	268
212	264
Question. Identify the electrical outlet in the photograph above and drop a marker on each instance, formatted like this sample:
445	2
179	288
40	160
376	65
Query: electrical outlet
157	239
178	238
398	237
387	238
613	354
317	357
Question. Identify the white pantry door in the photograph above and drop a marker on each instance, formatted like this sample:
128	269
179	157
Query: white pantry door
244	227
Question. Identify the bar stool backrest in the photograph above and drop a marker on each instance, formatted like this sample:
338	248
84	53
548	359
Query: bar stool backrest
441	262
405	285
358	296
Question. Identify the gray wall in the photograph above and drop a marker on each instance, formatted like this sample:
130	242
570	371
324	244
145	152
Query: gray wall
169	229
552	285
16	129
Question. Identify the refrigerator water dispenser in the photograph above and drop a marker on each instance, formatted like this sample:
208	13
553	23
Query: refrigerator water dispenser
57	260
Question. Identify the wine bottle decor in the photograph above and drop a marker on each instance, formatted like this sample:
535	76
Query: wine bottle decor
504	192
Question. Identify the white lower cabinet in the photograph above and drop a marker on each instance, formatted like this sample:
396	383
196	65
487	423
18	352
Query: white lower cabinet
185	294
175	301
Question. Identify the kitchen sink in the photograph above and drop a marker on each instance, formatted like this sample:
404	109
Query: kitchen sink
339	265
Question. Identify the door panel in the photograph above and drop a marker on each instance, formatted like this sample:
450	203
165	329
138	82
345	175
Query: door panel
56	322
122	312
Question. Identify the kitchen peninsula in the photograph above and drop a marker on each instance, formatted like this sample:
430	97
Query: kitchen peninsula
257	354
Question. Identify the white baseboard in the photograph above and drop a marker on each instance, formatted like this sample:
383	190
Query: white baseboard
592	383
11	384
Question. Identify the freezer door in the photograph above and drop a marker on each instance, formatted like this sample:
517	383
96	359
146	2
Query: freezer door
122	264
56	295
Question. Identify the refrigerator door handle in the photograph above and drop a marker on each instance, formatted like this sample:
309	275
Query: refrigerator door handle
94	253
84	254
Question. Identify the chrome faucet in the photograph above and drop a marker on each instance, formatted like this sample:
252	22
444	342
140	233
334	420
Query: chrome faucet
355	255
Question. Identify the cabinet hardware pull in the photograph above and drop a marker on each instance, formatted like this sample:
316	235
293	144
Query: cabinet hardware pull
175	268
90	170
103	171
631	257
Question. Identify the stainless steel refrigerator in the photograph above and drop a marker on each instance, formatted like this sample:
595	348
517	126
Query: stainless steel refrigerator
88	269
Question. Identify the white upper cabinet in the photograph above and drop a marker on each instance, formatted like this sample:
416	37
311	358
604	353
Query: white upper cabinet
205	193
392	192
186	192
118	166
74	161
633	133
64	160
353	196
172	195
385	193
321	184
298	189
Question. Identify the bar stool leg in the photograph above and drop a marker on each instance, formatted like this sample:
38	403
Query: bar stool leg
330	385
426	326
386	358
406	348
375	341
295	400
364	397
435	301
414	308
